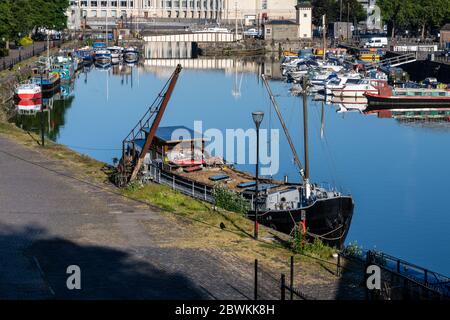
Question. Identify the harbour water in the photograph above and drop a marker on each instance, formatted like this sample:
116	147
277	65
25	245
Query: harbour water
396	170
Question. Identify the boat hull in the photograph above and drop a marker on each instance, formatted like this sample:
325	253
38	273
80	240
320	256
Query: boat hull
403	102
329	219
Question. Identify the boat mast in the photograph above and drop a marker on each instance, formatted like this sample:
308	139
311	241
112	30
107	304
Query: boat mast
286	132
305	126
324	32
106	29
306	183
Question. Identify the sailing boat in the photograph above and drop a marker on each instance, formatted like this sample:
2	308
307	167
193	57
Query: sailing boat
319	212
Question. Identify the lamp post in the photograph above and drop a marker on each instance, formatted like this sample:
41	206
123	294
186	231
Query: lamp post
257	118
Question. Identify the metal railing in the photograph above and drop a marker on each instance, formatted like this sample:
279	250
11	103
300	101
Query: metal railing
184	185
32	50
426	282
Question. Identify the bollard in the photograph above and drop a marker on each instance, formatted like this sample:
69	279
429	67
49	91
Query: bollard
292	278
283	287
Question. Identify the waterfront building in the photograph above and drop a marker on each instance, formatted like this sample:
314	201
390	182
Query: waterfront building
300	28
250	11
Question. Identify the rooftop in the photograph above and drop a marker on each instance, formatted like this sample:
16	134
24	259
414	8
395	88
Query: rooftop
446	27
173	134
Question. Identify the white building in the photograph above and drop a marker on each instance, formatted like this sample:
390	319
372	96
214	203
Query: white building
304	20
247	10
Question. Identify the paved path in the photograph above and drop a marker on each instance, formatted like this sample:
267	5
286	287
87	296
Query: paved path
49	221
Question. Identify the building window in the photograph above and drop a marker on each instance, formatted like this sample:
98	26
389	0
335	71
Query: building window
114	13
268	30
305	15
93	3
94	13
104	3
264	4
103	13
123	3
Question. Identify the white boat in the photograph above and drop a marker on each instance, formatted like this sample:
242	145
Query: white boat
116	53
131	54
350	104
338	83
28	91
358	89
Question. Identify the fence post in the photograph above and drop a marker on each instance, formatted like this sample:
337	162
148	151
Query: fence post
256	280
283	287
205	194
193	190
173	182
292	278
338	267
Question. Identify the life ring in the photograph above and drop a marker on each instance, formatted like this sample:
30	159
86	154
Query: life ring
373	58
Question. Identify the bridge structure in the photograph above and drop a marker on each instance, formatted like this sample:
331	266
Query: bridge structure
194	37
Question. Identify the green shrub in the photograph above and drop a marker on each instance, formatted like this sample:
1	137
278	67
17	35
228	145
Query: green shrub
353	250
229	200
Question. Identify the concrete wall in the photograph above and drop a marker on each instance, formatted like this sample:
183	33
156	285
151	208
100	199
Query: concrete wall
280	32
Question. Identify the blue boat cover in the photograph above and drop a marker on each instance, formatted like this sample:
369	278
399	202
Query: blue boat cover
219	177
246	184
262	187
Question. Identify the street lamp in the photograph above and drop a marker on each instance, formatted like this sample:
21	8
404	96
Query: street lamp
257	119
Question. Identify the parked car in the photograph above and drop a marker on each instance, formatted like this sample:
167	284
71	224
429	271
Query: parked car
252	33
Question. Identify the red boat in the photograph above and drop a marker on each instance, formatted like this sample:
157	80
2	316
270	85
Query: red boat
408	98
28	91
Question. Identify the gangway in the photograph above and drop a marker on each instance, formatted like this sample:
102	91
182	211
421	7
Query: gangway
392	62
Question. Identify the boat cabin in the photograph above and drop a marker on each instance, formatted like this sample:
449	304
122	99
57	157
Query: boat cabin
176	146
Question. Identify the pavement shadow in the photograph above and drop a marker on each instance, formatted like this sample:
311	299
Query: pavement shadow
33	265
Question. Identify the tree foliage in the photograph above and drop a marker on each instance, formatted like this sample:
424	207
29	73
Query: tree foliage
351	9
414	14
22	17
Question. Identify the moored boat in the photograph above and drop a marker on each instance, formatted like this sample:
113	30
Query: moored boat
103	57
49	82
28	91
359	88
408	98
131	55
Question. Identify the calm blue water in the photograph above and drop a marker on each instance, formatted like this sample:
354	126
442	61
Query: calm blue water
398	174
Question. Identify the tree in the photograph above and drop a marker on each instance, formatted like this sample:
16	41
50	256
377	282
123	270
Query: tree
430	14
5	21
332	8
397	13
